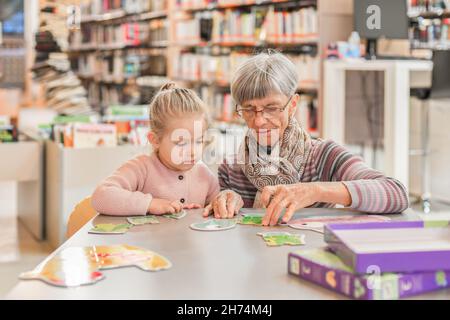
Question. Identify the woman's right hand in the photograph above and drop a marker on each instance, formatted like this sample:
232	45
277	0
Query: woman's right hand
162	206
225	205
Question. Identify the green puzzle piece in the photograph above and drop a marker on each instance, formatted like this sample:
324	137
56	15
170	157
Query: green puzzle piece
251	220
138	221
111	228
283	238
176	216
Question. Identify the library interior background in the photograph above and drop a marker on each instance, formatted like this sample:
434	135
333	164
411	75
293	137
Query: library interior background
77	78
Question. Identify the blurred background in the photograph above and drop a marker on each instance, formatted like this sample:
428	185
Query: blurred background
374	76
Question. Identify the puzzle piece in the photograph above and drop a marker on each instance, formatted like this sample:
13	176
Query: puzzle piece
76	266
214	225
110	228
251	219
311	226
273	239
176	216
138	221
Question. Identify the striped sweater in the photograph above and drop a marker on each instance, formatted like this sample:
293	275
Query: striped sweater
370	190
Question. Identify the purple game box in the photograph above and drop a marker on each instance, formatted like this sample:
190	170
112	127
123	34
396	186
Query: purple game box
324	268
395	246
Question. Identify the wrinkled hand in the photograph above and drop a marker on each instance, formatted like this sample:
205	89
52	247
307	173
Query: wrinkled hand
226	204
290	197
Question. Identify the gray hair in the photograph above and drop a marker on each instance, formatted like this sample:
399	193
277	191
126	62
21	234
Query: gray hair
266	73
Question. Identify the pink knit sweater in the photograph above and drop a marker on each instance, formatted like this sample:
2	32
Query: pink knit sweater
130	189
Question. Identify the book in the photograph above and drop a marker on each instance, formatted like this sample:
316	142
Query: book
394	246
326	269
267	23
8	133
126	113
94	135
206	67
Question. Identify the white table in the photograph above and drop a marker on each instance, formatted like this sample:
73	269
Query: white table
399	77
234	264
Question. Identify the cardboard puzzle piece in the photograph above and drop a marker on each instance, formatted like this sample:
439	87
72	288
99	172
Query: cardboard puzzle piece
251	219
310	226
110	228
214	225
176	216
274	239
77	266
139	221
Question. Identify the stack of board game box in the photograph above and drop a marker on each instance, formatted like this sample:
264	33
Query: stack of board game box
378	260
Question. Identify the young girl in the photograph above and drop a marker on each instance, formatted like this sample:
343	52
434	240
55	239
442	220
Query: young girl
172	178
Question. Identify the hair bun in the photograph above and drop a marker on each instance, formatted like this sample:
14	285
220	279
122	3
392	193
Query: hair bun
168	86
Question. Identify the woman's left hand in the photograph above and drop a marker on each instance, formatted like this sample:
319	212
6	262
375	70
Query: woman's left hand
290	197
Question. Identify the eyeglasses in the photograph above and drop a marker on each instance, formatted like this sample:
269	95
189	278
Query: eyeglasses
267	112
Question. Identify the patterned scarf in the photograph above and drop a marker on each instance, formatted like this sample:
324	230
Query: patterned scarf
284	163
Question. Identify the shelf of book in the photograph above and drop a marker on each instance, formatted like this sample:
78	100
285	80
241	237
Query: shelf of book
437	14
108	16
298	28
121	15
113	47
429	25
311	40
184	6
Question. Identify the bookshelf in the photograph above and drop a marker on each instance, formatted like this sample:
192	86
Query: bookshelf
430	24
209	39
199	43
115	44
122	49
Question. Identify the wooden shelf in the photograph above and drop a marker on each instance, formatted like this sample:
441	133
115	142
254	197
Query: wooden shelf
431	46
220	84
441	14
244	4
121	14
308	40
152	15
308	85
113	15
88	48
124	81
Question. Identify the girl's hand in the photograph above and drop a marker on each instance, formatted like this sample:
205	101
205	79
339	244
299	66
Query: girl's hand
226	204
290	197
162	206
192	206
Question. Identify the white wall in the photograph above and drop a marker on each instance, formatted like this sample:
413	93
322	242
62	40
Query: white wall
8	204
439	134
8	222
440	145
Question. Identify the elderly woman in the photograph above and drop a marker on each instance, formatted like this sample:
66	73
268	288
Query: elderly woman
279	167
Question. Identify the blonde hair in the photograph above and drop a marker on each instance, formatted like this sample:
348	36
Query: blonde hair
264	74
173	102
